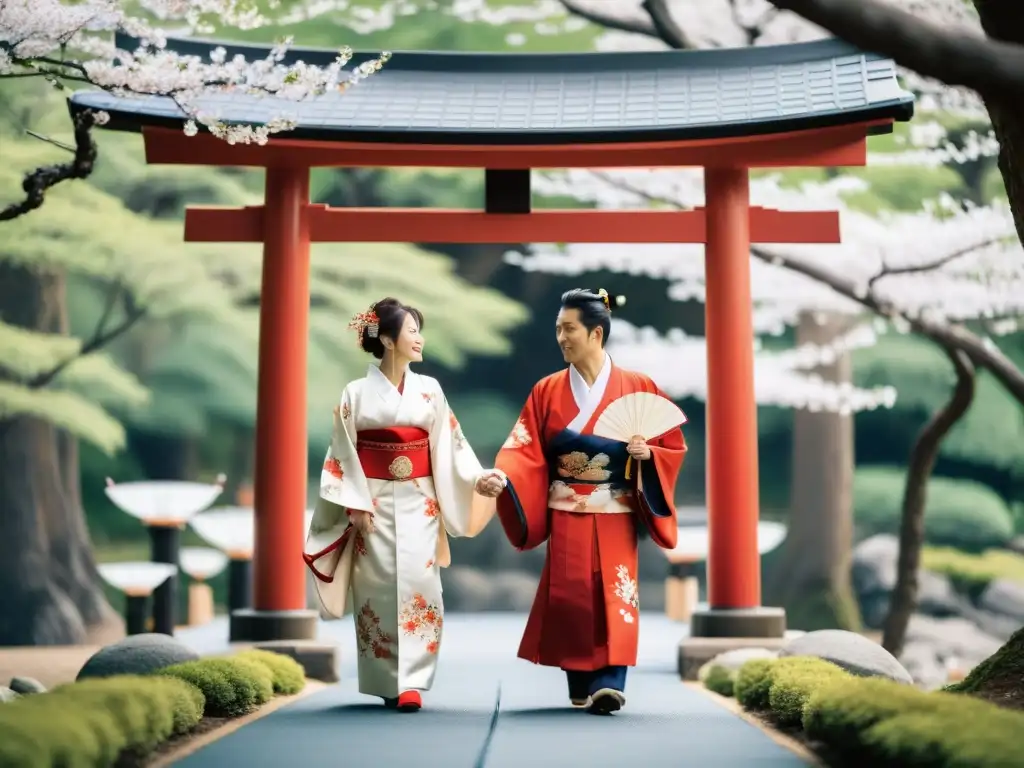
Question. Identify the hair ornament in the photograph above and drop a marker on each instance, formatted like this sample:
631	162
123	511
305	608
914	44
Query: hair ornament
609	301
365	322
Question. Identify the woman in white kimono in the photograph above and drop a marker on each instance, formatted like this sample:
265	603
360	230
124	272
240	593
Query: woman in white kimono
398	478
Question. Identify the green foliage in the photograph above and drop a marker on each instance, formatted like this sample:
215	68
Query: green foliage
232	687
960	513
287	674
754	682
794	680
720	681
972	573
94	722
1003	671
992	431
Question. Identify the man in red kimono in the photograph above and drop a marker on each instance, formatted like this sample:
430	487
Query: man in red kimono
575	491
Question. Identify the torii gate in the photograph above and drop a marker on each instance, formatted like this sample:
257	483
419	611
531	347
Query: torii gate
728	111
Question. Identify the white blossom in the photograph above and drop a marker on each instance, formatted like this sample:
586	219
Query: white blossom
66	41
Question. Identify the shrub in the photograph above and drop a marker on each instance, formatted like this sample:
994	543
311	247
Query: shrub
719	680
753	683
960	513
288	675
144	714
971	573
231	688
187	702
793	681
974	739
841	711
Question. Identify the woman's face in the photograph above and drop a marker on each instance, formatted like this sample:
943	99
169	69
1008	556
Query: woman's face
409	344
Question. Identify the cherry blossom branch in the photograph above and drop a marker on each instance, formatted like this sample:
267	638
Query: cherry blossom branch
37	182
665	26
983	353
619	23
953	55
930	266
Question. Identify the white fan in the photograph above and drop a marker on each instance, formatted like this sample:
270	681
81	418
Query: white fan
641	413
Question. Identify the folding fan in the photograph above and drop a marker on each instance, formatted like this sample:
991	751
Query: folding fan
642	414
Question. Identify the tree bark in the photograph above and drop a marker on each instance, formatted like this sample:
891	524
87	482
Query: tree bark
812	579
915	497
1004	20
50	591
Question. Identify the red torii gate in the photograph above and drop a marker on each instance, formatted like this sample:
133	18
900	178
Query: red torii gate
860	97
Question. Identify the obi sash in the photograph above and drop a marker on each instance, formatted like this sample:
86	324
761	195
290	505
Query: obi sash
588	475
395	453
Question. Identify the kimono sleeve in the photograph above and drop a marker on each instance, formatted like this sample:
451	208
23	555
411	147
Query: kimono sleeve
342	487
656	487
456	469
523	506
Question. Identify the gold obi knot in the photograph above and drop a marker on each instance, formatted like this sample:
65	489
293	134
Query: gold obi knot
588	499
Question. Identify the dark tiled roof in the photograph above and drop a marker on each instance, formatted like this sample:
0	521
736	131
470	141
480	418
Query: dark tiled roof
508	98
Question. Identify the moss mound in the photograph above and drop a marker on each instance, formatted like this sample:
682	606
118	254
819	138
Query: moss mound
231	687
719	680
753	683
288	675
793	681
1000	677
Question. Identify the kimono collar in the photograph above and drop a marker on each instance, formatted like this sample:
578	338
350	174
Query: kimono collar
387	391
580	389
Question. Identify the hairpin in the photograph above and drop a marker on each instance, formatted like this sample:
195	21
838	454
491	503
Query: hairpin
365	321
603	294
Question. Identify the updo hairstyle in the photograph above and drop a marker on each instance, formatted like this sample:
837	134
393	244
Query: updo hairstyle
391	315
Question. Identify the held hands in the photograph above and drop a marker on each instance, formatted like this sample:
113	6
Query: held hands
490	484
361	521
638	448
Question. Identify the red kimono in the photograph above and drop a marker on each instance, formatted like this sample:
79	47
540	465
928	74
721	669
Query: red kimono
571	490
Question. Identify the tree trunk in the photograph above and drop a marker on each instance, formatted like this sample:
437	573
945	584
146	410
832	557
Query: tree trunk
915	497
812	580
50	591
1004	20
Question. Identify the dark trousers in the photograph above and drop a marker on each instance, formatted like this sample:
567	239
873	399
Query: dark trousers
583	684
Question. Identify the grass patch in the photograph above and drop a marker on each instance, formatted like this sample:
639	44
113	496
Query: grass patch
971	574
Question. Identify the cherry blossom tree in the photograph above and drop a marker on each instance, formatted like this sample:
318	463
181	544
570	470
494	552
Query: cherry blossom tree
70	43
52	584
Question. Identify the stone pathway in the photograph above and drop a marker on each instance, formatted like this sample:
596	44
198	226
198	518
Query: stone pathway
664	723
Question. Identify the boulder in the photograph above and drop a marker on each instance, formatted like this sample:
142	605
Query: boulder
6	695
732	660
137	655
874	564
27	685
1005	598
850	651
924	664
953	638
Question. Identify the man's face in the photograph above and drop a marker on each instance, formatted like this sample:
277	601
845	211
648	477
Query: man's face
573	338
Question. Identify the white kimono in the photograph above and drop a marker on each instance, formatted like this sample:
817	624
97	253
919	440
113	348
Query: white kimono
393	571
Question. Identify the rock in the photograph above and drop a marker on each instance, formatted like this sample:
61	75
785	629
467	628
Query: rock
27	685
954	638
924	665
136	655
850	651
732	660
6	695
874	564
874	577
1004	597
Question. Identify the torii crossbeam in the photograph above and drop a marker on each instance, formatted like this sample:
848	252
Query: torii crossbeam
727	111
